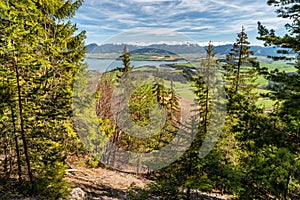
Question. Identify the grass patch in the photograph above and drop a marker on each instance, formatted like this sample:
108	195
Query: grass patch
280	65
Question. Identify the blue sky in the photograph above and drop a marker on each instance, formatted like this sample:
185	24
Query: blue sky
154	21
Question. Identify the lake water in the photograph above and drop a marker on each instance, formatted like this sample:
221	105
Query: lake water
103	65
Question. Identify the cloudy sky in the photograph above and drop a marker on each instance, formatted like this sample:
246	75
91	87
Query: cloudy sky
181	20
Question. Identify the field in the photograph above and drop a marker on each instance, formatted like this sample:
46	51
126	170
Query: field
138	56
262	82
184	90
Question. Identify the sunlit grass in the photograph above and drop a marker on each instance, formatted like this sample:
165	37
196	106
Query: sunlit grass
185	90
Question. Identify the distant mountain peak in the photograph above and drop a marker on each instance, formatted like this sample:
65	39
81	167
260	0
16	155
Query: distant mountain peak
171	48
220	48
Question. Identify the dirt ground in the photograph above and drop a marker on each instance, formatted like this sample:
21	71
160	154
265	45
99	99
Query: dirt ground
107	184
102	183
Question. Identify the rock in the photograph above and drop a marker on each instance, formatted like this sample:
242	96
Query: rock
77	194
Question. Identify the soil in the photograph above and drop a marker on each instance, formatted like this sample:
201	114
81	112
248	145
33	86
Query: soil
107	184
103	183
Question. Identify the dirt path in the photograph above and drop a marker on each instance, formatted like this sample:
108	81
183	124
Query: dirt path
101	183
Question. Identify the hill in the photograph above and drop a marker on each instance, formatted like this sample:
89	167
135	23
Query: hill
258	50
154	48
174	49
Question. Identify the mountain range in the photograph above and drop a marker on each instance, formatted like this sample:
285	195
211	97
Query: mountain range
174	49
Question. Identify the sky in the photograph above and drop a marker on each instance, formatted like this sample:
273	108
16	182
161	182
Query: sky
177	21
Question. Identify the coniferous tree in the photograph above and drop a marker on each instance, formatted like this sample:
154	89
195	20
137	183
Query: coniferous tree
240	67
241	71
269	143
272	140
180	179
41	55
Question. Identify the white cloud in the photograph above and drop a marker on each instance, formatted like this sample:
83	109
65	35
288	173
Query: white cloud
225	4
148	1
195	18
151	31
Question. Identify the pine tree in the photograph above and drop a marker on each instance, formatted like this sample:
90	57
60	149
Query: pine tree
270	142
188	173
240	67
41	55
273	141
241	71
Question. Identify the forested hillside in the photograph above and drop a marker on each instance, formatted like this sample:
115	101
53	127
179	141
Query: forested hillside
150	133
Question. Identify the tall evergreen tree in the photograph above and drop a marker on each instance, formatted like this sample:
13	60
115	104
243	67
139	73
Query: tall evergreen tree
241	71
40	55
196	177
271	168
187	174
240	67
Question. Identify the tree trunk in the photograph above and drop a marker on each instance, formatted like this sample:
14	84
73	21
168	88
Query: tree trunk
17	145
22	123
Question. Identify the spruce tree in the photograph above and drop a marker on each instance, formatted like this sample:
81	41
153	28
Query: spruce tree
274	142
270	141
187	174
240	67
241	71
40	55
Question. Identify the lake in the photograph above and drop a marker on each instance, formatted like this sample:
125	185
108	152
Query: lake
103	65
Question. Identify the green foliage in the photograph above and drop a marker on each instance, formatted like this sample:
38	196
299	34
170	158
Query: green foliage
163	189
51	182
190	172
241	68
87	123
92	162
141	101
40	55
257	157
270	163
126	60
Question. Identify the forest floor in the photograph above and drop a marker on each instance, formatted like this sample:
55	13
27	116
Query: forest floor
102	183
106	184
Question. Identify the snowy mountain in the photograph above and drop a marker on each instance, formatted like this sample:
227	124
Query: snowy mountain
184	48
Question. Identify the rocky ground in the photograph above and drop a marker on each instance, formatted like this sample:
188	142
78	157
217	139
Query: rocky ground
105	184
102	183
